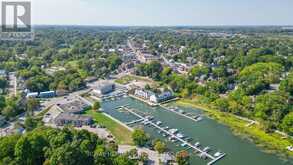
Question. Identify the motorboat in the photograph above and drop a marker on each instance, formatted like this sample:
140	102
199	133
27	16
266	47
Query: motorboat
173	131
158	122
183	145
180	135
197	144
206	149
217	154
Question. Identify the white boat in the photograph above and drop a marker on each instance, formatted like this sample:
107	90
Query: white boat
183	144
173	131
197	144
158	122
179	135
206	149
181	111
217	154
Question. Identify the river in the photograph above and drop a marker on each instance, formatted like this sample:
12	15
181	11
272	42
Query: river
208	132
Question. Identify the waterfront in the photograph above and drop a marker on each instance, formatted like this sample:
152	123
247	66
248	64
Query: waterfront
208	132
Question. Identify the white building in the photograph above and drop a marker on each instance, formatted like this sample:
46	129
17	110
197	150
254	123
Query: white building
161	97
143	93
104	88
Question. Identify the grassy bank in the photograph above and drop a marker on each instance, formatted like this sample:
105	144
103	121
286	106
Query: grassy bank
122	134
272	143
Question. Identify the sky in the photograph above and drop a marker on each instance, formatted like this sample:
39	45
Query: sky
162	12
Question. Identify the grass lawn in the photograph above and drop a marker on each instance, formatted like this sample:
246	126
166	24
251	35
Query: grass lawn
128	78
122	134
270	142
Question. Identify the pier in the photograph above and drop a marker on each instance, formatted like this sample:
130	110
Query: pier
202	153
178	113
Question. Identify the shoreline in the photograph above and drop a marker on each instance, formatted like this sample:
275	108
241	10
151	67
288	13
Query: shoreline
269	143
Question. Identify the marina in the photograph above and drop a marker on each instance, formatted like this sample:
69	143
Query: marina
202	153
206	133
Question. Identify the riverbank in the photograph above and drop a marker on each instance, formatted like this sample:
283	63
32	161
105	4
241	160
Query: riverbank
121	133
271	143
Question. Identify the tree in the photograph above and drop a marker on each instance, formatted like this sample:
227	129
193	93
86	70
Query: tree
287	123
3	84
32	105
160	147
96	106
182	158
30	123
140	138
271	106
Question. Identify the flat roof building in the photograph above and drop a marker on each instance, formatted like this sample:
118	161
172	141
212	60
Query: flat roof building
69	118
104	87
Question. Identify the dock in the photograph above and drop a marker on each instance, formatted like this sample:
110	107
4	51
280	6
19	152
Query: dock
180	114
189	145
135	121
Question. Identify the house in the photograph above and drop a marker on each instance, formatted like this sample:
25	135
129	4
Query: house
156	98
104	88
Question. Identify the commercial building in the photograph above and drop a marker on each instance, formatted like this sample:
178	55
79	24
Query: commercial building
104	88
73	119
47	94
143	93
157	98
71	114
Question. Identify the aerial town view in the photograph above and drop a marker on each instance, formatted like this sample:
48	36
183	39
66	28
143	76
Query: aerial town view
146	82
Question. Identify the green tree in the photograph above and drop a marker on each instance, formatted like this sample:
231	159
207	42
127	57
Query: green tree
160	147
287	123
139	137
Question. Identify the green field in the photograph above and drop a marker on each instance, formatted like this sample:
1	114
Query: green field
270	142
122	134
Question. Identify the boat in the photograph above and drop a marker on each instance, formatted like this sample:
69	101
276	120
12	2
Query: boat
217	154
199	119
179	135
197	144
206	149
158	122
166	128
164	135
173	131
183	145
181	111
203	156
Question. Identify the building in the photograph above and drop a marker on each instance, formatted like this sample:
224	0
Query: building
156	98
74	107
71	114
32	95
104	88
47	94
2	73
143	93
72	119
2	120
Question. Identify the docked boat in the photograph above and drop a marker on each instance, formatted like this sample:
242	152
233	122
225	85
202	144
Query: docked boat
180	135
183	145
173	131
158	122
197	144
181	111
217	154
206	149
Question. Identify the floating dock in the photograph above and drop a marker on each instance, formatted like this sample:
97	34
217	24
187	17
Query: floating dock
178	113
189	145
